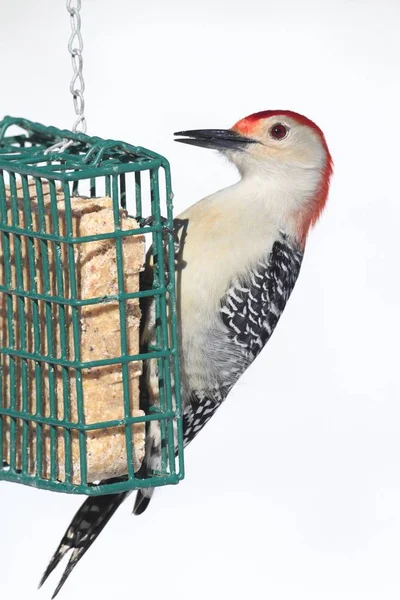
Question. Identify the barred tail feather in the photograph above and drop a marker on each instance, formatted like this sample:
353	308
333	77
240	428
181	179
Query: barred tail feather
142	501
86	525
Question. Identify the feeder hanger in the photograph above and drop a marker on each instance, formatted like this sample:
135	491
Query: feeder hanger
77	85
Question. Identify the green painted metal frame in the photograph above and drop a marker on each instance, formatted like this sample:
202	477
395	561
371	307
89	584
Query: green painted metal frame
97	160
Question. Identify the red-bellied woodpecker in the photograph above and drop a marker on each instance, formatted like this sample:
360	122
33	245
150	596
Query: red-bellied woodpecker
241	249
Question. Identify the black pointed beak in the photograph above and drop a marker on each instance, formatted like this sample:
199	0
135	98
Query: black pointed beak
217	139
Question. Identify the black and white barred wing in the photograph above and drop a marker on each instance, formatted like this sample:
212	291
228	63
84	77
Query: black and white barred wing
249	311
253	305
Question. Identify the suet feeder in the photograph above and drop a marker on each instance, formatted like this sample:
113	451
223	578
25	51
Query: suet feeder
72	233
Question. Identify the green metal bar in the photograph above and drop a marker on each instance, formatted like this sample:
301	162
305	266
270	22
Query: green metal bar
10	325
21	382
31	281
123	327
108	188
38	340
60	167
76	334
158	267
76	364
63	174
138	195
3	217
174	319
91	490
53	422
122	188
21	152
87	302
63	336
79	240
52	134
165	364
57	257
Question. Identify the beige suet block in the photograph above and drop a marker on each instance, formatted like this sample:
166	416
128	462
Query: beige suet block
98	327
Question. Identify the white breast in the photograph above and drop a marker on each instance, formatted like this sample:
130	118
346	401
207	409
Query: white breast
227	234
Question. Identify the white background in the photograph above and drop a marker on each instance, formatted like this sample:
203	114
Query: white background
293	489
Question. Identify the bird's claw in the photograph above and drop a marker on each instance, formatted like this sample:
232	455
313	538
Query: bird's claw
150	220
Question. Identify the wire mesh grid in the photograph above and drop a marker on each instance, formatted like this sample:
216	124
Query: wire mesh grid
42	307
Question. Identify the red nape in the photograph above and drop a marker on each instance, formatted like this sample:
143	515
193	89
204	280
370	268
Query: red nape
318	202
247	125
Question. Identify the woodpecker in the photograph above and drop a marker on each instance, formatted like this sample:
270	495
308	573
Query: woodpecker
241	250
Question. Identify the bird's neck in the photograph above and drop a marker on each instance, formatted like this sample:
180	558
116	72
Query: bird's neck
282	199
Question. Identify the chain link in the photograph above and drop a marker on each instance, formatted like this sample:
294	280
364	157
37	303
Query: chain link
75	47
77	85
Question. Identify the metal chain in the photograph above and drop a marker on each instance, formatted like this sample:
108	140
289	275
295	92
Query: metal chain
75	47
77	85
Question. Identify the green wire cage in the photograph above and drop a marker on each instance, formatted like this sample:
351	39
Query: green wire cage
41	306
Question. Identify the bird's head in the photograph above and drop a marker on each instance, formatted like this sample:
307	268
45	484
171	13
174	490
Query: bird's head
279	147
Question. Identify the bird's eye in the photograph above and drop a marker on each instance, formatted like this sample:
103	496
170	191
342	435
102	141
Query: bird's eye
278	131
